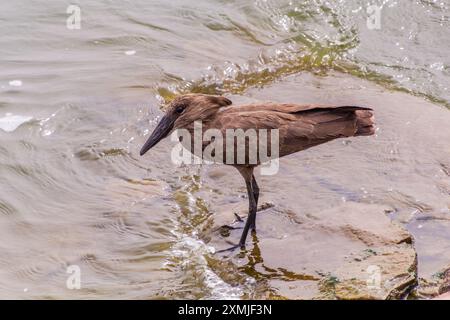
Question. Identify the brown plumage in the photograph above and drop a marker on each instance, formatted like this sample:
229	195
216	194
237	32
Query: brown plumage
299	127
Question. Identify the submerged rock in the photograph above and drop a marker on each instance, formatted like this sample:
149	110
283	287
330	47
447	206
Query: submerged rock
351	251
436	287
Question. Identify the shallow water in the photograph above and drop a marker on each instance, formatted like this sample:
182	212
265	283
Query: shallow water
75	107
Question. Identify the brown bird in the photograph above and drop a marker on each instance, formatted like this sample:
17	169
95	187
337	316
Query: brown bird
299	127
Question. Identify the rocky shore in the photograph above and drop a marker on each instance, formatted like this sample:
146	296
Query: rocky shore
378	230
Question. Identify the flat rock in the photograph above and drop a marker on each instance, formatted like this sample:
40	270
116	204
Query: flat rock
351	251
330	232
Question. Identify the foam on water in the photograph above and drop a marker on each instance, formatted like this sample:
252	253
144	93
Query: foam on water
192	252
15	83
10	122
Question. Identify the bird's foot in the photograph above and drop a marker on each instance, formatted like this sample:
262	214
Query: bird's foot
232	248
225	230
228	227
238	217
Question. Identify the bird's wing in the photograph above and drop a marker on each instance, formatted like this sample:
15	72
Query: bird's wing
299	126
311	121
285	107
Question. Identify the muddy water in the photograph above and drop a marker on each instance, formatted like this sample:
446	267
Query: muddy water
76	105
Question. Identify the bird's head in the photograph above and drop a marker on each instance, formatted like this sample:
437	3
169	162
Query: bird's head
183	111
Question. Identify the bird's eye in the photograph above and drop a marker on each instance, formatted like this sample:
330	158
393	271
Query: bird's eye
180	109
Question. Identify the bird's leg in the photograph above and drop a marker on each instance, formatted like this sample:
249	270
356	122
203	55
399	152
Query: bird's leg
251	212
256	196
247	174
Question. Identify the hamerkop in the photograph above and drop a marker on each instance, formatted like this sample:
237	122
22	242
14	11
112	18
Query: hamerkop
299	127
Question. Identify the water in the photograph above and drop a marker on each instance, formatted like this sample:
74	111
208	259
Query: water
75	107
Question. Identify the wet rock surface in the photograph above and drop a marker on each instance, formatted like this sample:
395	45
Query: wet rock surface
352	251
435	287
361	218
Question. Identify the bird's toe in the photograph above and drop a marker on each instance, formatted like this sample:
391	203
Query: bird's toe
232	248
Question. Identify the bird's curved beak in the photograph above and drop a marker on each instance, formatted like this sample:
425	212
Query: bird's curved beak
161	131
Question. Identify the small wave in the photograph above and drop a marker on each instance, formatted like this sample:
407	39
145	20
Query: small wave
6	209
316	37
